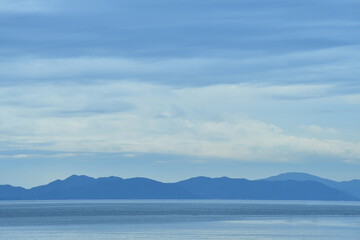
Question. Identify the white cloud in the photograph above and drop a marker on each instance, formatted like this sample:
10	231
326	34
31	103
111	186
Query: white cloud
99	67
352	98
201	121
332	65
14	156
313	128
25	6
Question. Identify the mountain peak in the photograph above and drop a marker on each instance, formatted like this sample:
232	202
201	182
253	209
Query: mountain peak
74	176
297	176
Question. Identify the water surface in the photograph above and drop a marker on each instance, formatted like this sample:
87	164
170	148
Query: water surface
175	219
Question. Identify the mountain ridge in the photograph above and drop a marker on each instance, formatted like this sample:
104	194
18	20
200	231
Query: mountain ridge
287	186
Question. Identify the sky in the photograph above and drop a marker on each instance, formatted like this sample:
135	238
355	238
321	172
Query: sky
175	89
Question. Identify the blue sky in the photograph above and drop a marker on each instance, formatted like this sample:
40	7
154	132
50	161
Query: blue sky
175	89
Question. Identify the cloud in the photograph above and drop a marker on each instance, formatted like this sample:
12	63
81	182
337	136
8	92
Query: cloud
14	156
313	128
327	66
352	98
207	122
64	100
25	6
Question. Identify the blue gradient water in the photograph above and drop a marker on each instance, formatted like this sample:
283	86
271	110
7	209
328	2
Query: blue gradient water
158	219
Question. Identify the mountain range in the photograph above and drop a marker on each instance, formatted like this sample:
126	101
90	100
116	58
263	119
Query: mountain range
287	186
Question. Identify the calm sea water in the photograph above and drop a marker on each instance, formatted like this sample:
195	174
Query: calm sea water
167	219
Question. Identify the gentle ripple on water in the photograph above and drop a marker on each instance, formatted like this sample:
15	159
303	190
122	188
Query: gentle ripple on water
250	220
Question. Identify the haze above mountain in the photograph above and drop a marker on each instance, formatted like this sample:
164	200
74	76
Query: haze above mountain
287	186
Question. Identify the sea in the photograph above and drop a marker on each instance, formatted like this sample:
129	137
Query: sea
179	219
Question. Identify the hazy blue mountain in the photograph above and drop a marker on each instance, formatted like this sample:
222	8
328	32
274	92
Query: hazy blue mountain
84	187
8	192
228	188
352	187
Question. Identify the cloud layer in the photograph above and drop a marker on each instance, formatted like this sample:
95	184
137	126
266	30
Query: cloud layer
146	118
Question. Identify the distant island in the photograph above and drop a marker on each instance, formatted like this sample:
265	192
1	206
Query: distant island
287	186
